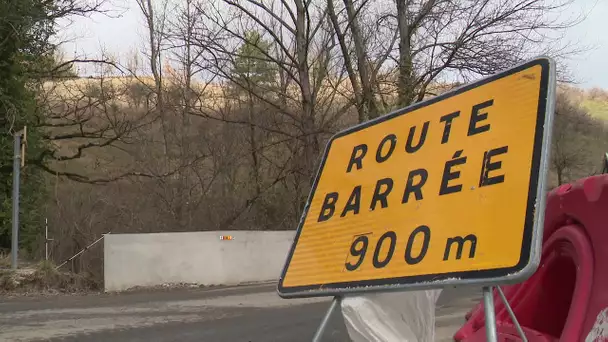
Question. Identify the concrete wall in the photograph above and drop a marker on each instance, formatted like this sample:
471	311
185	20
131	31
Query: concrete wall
193	257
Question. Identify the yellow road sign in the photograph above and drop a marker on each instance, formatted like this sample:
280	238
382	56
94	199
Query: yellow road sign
442	192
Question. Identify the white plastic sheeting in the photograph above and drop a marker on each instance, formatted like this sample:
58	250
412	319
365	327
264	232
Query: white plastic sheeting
599	332
391	316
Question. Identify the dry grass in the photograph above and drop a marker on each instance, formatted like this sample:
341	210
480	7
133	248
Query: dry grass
44	278
5	260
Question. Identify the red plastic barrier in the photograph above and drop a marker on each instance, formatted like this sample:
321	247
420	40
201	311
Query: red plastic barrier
562	300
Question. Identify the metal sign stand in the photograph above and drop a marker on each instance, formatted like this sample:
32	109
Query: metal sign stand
488	304
334	304
489	308
316	285
511	314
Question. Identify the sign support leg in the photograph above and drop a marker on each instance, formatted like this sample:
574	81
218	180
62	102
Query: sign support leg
334	303
512	315
488	303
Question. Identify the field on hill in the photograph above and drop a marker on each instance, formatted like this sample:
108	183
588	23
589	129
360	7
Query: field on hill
597	108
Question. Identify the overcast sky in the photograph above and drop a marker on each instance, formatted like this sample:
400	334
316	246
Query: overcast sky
123	33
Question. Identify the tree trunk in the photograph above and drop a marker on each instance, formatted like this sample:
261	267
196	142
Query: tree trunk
254	147
405	82
153	39
348	64
369	104
311	147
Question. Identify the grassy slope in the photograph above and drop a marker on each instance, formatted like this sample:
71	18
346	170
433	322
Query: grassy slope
596	108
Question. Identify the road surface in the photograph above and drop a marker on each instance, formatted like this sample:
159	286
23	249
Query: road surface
244	313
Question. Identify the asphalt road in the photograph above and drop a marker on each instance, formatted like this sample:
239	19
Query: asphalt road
248	313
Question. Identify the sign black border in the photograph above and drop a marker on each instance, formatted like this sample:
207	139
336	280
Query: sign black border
400	282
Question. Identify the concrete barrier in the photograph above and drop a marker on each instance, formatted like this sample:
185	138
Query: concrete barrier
193	257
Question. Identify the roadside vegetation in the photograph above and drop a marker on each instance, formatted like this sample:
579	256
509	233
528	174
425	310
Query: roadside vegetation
44	278
218	123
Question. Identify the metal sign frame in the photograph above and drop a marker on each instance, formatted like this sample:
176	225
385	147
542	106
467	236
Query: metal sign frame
532	240
490	315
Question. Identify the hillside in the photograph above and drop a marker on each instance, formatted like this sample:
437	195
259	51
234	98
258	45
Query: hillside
128	101
227	163
597	108
594	100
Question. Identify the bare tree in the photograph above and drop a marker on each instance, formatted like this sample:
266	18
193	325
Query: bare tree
573	133
472	38
420	44
360	82
155	24
297	97
80	116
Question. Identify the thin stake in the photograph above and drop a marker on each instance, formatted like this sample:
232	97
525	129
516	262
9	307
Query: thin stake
488	302
512	315
321	329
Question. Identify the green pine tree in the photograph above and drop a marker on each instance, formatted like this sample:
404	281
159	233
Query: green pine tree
252	67
25	29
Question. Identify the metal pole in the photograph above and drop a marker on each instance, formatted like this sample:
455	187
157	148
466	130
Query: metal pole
46	239
16	177
512	315
321	329
488	303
